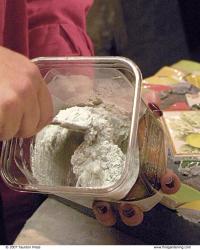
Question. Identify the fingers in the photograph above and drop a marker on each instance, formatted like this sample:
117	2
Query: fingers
25	103
38	113
30	119
44	100
46	106
10	115
23	116
104	213
24	109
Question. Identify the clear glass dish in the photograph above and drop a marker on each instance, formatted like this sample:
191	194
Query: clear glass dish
78	81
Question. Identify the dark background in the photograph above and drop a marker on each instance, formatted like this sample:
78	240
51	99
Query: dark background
152	33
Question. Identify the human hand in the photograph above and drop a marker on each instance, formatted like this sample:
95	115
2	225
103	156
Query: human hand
25	102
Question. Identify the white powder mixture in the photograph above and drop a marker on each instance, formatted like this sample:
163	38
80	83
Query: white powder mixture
96	161
98	165
48	154
77	116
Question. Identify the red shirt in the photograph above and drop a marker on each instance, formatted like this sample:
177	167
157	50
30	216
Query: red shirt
45	27
39	28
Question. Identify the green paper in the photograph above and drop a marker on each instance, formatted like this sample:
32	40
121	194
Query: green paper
193	140
184	195
187	66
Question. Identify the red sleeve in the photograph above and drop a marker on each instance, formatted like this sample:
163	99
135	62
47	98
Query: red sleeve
58	28
2	19
14	25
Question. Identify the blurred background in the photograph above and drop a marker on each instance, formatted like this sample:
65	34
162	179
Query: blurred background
151	33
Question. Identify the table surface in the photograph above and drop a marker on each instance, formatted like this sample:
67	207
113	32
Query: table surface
62	222
56	223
